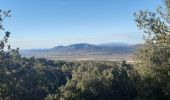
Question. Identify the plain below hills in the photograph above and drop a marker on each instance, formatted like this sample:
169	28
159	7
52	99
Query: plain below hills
84	51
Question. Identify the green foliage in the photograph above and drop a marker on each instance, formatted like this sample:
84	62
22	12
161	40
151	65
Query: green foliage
97	81
153	57
41	79
23	78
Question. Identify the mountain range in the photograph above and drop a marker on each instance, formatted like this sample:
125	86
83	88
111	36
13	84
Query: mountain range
82	49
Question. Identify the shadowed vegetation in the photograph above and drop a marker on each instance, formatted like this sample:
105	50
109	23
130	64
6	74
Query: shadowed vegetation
41	79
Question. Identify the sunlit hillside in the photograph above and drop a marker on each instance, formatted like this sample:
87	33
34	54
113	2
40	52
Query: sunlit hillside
85	50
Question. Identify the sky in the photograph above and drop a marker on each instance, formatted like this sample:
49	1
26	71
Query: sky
48	23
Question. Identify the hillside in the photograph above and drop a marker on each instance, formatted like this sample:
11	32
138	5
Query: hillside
84	51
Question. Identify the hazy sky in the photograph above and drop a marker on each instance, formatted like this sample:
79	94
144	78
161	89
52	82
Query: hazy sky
48	23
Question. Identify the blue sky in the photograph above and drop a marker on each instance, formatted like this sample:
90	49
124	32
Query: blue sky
48	23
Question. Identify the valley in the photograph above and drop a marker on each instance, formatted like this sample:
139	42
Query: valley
84	51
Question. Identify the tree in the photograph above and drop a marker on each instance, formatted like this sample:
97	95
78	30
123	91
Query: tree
3	42
153	57
97	81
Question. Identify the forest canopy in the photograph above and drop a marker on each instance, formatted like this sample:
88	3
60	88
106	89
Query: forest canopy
41	79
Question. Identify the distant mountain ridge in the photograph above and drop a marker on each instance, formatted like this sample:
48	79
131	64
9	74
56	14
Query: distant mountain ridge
106	49
115	44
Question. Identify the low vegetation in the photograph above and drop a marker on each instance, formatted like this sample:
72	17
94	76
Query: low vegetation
41	79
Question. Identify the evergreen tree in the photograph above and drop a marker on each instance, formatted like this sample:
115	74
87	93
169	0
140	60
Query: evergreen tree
153	57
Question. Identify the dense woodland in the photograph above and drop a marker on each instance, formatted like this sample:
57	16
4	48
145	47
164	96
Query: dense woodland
41	79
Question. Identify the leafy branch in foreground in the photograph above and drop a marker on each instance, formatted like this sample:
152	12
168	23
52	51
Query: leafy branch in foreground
153	57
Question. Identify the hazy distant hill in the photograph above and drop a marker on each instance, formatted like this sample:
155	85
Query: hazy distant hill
82	50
